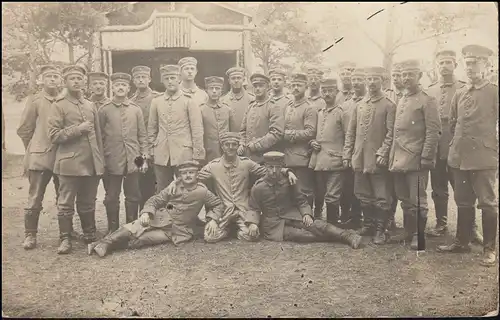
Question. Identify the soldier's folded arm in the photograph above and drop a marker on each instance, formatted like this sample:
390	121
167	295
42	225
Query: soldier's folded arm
390	117
59	134
254	209
155	203
214	207
309	132
152	126
260	171
275	133
432	129
196	125
350	137
28	122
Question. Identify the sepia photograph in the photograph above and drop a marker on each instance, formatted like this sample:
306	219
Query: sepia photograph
250	159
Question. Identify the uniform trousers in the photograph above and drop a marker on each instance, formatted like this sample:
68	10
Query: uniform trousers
113	186
349	204
147	184
296	231
223	228
472	185
373	190
329	185
147	236
411	190
38	181
305	182
440	177
164	176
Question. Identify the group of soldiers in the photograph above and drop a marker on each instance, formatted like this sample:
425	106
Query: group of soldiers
265	162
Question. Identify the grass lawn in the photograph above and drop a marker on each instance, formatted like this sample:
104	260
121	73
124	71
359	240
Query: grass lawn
233	278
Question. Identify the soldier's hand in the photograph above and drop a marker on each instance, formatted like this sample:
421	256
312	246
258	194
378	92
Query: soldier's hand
292	178
211	227
315	145
426	164
171	188
241	150
346	163
85	127
144	219
253	230
307	220
381	161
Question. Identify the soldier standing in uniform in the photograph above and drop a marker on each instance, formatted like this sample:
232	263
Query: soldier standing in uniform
124	139
368	142
473	154
395	95
349	204
144	95
413	153
165	217
40	153
188	72
231	176
263	123
301	118
218	118
98	83
326	159
73	126
238	99
284	213
278	77
345	70
175	129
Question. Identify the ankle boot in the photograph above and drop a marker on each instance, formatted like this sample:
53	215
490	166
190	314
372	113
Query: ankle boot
64	234
29	241
441	207
380	237
105	245
349	237
465	218
131	211
407	233
87	219
113	216
31	218
368	227
332	213
490	226
477	237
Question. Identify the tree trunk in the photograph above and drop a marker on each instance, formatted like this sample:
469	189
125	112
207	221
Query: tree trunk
389	39
71	51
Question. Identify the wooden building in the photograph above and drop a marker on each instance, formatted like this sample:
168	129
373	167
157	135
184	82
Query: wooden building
154	34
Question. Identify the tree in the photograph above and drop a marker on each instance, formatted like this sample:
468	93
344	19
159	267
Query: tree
281	32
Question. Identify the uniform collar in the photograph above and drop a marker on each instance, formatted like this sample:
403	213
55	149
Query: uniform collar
189	90
273	183
356	98
261	103
275	97
173	97
49	97
300	102
228	164
73	100
238	97
119	104
328	110
409	94
140	94
93	98
374	99
314	98
447	84
216	106
477	86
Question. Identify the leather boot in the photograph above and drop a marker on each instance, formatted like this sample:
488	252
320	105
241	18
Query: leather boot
408	224
490	222
299	235
105	245
391	223
131	211
73	234
87	219
349	237
113	216
441	207
318	211
477	237
465	218
368	228
64	234
332	213
380	236
418	240
31	218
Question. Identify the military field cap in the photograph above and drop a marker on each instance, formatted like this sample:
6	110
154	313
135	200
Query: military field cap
328	82
396	68
259	78
476	51
410	65
189	165
314	71
120	77
359	72
170	69
375	71
141	70
74	69
299	77
278	71
346	65
214	81
97	76
49	68
235	70
230	136
186	61
446	54
274	158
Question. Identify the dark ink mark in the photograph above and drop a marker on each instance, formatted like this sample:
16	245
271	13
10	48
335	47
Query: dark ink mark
310	281
375	14
282	248
294	304
302	275
329	47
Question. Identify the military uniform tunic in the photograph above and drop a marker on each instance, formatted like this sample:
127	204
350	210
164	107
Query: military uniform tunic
143	100
217	120
99	101
318	102
198	95
239	104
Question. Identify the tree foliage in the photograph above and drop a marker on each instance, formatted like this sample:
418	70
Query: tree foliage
282	32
